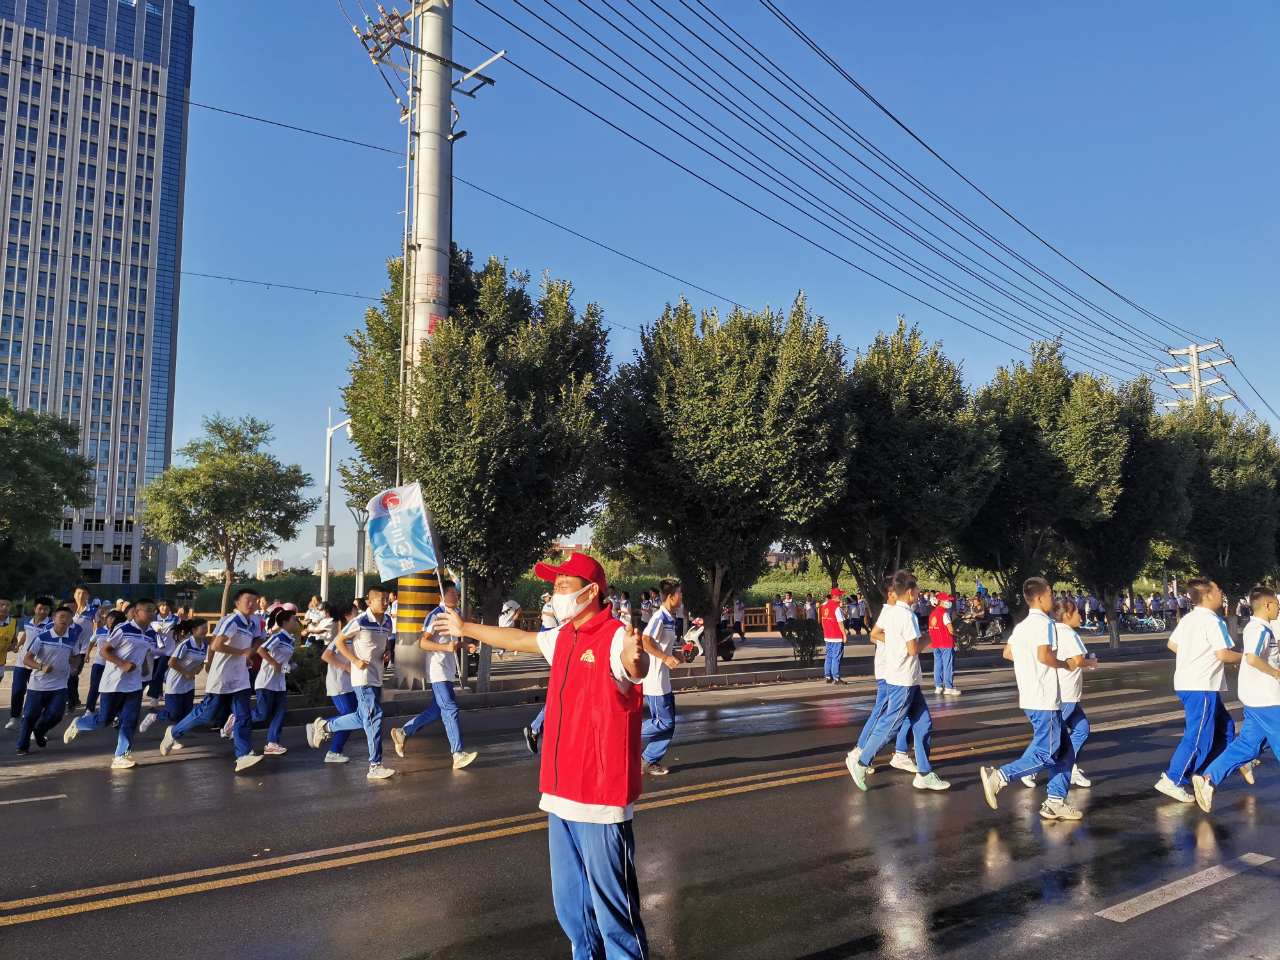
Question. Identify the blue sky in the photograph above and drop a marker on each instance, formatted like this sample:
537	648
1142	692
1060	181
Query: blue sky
1140	138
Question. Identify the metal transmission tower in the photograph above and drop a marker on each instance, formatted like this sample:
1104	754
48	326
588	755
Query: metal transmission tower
1195	369
418	47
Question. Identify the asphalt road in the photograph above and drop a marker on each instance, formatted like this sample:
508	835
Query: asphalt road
756	846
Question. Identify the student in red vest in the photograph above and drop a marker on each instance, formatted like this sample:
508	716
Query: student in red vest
831	616
590	773
942	638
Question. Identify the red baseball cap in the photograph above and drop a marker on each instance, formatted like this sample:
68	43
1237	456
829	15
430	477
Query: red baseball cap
944	597
578	565
837	592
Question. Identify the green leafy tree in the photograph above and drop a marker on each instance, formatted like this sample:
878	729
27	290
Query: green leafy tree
1109	547
920	468
1233	492
230	500
722	432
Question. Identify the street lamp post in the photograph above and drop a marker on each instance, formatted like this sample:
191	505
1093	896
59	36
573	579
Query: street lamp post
361	516
325	533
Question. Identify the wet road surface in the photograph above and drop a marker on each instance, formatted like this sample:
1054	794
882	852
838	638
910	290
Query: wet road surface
756	846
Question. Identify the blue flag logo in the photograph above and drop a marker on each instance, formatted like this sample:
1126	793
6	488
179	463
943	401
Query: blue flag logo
400	532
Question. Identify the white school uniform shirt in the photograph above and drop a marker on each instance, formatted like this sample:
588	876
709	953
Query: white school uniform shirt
442	665
82	628
99	638
549	619
1257	689
128	642
228	673
901	668
661	629
189	655
572	809
336	680
1199	636
367	636
28	632
279	646
165	641
877	661
1070	682
51	650
1037	683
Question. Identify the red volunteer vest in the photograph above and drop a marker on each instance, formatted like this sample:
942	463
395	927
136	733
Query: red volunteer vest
591	737
831	629
939	637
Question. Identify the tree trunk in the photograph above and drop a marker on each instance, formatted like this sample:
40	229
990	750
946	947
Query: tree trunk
1113	621
227	574
711	622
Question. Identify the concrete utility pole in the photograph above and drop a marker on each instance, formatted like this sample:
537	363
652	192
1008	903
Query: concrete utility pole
1195	368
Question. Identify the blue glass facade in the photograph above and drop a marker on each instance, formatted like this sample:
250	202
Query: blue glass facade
93	128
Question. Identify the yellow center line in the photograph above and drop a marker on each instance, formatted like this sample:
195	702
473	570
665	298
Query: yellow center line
296	864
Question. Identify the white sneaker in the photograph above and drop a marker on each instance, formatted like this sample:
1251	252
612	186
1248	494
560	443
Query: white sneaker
379	772
13	722
1056	809
1078	779
463	758
857	771
167	743
225	732
993	782
247	761
274	750
1204	793
951	692
398	737
901	761
930	781
1029	781
177	745
124	763
1172	790
317	732
147	722
1247	771
71	732
937	691
332	757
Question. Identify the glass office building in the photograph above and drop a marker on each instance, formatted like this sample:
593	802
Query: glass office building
93	134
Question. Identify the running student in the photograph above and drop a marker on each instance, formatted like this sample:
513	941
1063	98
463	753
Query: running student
1071	649
591	765
1203	648
101	630
337	676
831	615
901	759
659	640
1032	647
942	639
83	610
276	652
902	697
126	650
187	660
227	687
48	657
362	643
31	628
442	670
165	621
1259	692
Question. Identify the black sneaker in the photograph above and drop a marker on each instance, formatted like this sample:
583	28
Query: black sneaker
531	740
839	681
826	679
41	740
23	753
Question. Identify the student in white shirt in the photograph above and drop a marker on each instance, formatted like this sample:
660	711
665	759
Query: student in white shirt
97	663
83	610
903	699
190	652
127	651
228	686
1203	646
659	640
361	643
48	657
28	631
901	756
442	671
1032	647
337	677
1259	692
163	625
1071	649
269	686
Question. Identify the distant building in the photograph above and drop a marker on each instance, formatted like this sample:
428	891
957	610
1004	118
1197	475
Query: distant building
270	567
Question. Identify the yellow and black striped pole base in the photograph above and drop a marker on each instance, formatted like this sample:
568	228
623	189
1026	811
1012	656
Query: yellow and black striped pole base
416	596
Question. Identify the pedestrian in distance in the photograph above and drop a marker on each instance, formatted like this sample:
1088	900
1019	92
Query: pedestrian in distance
272	697
362	643
1259	689
831	617
1032	646
942	640
228	686
442	671
48	657
31	628
533	732
590	774
8	631
337	677
190	653
659	640
903	699
1071	650
1203	647
126	650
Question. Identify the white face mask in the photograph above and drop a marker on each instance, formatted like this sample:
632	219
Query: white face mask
566	606
946	604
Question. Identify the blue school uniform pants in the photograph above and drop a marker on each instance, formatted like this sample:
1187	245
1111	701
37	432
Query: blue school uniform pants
21	677
659	727
594	888
95	679
42	712
1075	726
368	717
155	688
944	668
903	742
269	709
443	707
177	706
1208	731
831	666
904	710
126	706
1048	750
344	703
1261	727
538	721
211	712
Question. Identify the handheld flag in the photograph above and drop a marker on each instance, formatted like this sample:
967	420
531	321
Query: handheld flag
400	533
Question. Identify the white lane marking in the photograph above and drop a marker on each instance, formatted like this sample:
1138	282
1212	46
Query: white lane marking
55	796
1160	896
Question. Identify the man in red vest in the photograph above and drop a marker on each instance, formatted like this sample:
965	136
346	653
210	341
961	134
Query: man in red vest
942	638
831	616
590	774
